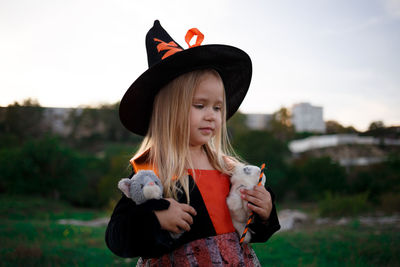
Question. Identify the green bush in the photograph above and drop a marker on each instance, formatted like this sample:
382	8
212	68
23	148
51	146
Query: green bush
390	202
117	164
45	167
309	178
378	179
48	168
343	205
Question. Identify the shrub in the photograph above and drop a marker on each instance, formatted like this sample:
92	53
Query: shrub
390	202
45	167
309	178
117	165
343	205
378	179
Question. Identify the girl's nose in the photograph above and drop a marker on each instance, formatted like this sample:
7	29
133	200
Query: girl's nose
210	115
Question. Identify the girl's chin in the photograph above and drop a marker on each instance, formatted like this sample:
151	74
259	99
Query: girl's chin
199	143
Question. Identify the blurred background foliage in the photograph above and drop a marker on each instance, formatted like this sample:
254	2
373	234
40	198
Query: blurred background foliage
47	175
83	166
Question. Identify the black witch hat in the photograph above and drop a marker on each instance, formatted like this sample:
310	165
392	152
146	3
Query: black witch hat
168	60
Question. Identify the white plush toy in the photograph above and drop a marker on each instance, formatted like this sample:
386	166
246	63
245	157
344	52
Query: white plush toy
142	186
243	177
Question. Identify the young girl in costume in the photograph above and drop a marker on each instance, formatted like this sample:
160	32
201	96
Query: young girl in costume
181	104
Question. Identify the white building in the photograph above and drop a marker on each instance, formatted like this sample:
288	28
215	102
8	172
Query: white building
258	121
56	118
324	141
308	118
352	156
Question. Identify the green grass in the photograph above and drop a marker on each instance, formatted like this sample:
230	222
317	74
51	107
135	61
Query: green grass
31	236
37	208
332	246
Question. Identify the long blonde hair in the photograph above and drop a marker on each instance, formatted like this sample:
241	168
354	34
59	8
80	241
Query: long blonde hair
168	136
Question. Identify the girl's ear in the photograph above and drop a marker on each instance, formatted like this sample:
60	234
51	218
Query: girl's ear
124	185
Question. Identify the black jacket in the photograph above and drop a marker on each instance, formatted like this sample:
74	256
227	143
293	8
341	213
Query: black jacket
134	230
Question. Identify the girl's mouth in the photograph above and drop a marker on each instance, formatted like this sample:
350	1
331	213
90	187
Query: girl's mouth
206	130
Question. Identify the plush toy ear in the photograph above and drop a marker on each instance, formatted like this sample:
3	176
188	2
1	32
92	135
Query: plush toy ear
124	185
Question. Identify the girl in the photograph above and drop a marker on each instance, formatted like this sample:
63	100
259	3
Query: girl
181	104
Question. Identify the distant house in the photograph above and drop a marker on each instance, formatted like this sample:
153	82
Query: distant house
56	120
258	121
308	118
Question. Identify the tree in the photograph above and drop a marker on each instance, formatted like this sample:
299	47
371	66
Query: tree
113	129
92	127
237	124
378	130
334	127
281	125
376	125
23	120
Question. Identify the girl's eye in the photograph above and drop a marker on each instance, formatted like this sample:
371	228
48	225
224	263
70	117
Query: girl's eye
198	106
217	108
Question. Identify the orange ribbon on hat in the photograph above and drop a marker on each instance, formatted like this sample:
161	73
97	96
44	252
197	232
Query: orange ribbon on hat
190	34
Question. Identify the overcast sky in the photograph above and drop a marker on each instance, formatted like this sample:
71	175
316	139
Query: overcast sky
342	55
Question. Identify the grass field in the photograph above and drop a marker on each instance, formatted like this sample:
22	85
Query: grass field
31	236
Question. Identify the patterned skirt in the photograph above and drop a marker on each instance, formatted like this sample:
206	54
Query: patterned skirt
220	250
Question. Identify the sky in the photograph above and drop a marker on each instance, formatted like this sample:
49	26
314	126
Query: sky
342	55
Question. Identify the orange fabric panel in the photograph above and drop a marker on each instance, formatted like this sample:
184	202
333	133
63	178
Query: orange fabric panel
143	166
141	163
214	188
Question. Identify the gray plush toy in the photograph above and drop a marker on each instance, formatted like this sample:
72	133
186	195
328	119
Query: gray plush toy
141	187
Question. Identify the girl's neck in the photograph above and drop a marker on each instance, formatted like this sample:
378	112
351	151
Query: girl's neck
200	159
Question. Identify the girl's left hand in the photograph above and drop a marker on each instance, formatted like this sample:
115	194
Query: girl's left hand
260	199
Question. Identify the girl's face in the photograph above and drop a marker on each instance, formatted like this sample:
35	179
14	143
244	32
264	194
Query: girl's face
206	110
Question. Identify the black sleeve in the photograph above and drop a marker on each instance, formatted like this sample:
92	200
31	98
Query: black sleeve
134	230
264	230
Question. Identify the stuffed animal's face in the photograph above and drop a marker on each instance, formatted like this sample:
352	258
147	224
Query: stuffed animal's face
246	175
142	186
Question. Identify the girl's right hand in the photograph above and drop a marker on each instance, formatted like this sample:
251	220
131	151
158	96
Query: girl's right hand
177	218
